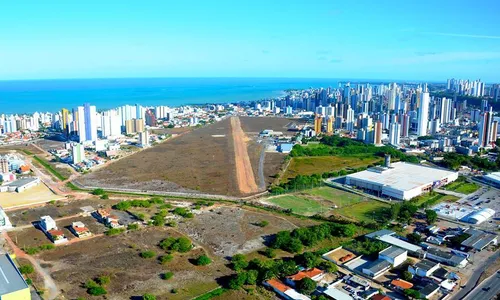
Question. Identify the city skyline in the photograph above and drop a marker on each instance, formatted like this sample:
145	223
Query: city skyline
389	40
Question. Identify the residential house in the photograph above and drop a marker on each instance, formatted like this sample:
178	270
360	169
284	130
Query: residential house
336	294
401	285
314	273
80	230
285	291
57	236
47	223
424	268
380	297
429	290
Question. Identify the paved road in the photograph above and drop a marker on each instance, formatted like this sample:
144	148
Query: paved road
471	284
488	289
445	192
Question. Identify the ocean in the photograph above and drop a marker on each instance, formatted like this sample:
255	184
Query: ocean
28	96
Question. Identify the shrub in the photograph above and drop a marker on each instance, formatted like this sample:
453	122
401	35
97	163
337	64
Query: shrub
123	205
406	276
183	212
97	291
26	269
167	275
133	226
148	297
203	260
181	244
239	262
103	280
165	258
47	247
105	197
263	223
270	252
91	284
148	254
98	192
29	281
114	231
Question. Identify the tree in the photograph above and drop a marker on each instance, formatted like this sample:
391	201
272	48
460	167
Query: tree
414	238
328	266
239	262
203	260
308	259
406	276
167	275
252	276
165	258
431	216
148	297
306	285
237	281
412	294
270	252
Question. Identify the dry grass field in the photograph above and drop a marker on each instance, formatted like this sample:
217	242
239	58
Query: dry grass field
202	160
257	124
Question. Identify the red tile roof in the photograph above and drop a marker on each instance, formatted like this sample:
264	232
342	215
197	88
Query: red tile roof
56	232
380	297
80	229
307	273
402	284
278	285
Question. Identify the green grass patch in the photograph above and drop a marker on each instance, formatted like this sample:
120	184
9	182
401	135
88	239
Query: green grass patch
367	211
49	168
298	205
27	152
317	200
321	164
212	294
462	187
431	199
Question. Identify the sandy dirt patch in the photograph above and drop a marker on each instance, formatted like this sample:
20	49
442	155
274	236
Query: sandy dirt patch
244	171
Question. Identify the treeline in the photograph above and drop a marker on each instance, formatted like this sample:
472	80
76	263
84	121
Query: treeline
455	160
254	271
294	241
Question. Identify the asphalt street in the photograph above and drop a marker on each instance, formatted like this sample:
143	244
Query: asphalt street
488	289
471	284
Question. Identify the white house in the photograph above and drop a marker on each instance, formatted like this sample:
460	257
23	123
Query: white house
47	223
394	255
423	268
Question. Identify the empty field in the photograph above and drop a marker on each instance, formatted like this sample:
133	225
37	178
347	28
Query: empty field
367	211
131	275
228	230
321	164
462	187
327	201
36	194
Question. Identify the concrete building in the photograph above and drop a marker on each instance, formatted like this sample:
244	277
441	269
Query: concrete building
401	180
394	255
47	223
376	268
480	216
77	153
12	283
423	114
485	128
446	258
144	139
4	165
22	184
377	133
390	238
424	268
134	125
394	134
4	220
479	240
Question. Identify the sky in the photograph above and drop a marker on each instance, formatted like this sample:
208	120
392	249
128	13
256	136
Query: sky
404	40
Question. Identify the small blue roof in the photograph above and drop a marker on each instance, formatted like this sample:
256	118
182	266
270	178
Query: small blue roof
286	147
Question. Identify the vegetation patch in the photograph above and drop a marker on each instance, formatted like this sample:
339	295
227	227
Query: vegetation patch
49	168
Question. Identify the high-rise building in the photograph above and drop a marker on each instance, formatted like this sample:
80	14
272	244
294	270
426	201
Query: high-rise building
485	128
317	124
405	125
377	133
64	120
78	153
494	132
446	110
394	134
4	165
150	118
134	126
423	114
329	124
349	119
110	124
87	123
144	139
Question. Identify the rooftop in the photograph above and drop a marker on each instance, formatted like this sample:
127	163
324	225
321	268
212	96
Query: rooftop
278	285
402	284
455	259
478	239
306	273
425	264
337	294
400	243
392	252
10	278
403	176
378	265
429	289
22	181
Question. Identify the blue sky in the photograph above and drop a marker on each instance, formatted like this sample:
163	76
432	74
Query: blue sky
421	40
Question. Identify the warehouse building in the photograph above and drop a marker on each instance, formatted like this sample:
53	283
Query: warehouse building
480	216
401	180
12	284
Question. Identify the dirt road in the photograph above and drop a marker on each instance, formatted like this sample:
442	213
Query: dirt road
244	172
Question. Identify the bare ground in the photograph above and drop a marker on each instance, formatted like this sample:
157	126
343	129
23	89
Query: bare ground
244	172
